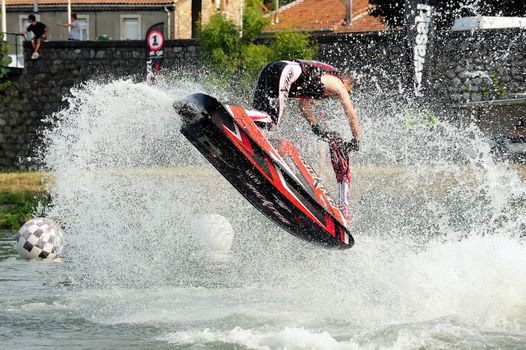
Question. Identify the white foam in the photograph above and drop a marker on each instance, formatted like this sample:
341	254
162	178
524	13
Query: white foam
437	241
287	338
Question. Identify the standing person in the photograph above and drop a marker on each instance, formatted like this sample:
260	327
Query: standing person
74	31
308	81
39	31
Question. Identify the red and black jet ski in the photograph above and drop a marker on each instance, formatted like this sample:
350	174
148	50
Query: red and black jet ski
296	200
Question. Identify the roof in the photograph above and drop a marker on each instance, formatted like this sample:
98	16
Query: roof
325	15
89	2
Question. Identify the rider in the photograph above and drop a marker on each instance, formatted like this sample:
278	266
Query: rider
307	81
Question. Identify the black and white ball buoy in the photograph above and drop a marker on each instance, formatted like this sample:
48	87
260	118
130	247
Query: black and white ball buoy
40	238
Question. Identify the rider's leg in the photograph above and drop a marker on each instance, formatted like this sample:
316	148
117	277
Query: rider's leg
289	75
273	86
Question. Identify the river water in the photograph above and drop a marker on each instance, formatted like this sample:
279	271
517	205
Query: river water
439	260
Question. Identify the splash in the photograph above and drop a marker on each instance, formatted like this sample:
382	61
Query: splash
439	229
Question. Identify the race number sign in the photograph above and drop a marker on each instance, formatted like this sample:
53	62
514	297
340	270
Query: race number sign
154	51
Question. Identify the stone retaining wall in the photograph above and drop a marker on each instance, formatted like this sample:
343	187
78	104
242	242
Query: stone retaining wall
466	66
39	90
480	66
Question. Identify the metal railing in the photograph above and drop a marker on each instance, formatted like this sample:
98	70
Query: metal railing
17	63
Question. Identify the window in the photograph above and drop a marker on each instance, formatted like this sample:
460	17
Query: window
130	27
83	21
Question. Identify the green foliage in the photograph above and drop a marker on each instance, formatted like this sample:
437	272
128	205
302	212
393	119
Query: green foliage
419	118
254	58
220	43
391	11
290	45
231	54
253	20
4	63
18	207
496	90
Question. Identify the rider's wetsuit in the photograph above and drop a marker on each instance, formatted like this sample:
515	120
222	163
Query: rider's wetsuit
282	79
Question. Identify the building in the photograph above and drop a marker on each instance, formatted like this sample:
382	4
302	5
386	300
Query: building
119	19
325	16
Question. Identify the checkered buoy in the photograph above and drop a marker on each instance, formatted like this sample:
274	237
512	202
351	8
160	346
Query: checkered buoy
40	238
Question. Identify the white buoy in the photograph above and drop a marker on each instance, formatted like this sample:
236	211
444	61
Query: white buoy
40	238
215	233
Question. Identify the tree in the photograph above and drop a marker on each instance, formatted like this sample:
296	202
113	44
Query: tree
448	10
232	55
4	63
391	11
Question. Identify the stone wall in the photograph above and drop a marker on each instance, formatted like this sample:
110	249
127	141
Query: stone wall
466	66
39	90
378	60
481	65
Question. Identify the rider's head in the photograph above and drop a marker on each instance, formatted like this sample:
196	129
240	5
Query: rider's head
348	81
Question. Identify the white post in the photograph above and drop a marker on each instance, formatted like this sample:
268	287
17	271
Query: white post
174	24
69	15
169	22
35	8
276	18
348	12
4	21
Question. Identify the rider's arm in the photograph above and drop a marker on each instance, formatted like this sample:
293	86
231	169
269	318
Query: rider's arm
306	110
334	86
354	123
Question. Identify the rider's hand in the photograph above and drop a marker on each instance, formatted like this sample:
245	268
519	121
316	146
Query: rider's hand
316	130
351	146
347	146
332	136
326	136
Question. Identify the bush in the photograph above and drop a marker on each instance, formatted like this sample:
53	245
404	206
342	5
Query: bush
18	207
4	63
253	20
290	45
234	59
220	43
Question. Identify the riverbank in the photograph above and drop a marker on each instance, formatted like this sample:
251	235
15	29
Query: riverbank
22	192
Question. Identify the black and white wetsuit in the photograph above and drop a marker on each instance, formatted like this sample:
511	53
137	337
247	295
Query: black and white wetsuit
283	79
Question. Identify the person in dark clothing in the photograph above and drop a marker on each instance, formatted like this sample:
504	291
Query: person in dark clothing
307	81
39	31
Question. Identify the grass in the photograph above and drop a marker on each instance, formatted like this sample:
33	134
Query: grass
520	169
19	195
